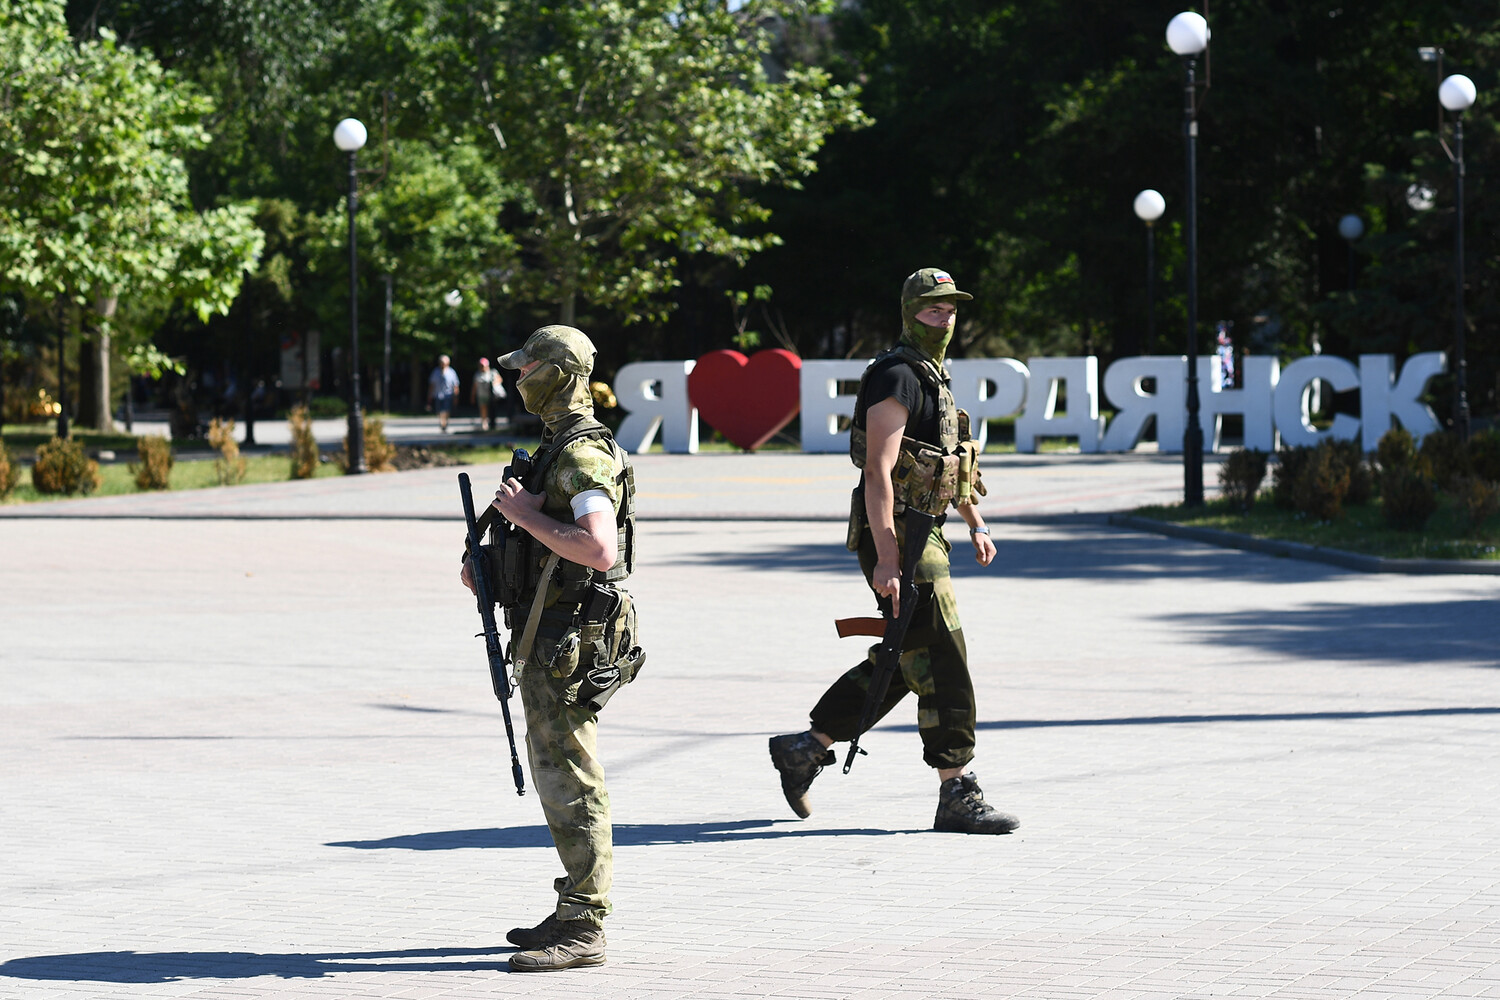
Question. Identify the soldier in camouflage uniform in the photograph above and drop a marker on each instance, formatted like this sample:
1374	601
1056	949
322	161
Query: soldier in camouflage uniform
573	630
912	444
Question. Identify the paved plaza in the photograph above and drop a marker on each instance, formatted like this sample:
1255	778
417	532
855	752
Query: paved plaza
249	750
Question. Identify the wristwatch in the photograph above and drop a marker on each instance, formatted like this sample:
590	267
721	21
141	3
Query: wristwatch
981	530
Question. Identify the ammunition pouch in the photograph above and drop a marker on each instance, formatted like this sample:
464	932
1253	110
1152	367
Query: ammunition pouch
598	652
858	518
969	483
924	477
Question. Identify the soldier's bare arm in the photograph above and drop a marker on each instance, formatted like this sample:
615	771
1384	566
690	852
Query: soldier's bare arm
591	540
885	422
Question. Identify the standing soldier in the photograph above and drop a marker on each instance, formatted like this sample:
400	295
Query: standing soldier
911	442
570	540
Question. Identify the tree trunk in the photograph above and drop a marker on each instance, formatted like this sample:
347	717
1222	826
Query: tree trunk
94	396
567	310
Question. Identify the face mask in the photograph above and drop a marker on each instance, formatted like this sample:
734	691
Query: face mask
930	340
551	394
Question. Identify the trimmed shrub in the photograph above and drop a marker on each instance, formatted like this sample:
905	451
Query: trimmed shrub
1396	450
10	472
154	472
1479	499
304	445
62	467
1322	483
1446	456
380	454
230	465
1240	477
1348	455
1289	462
1407	498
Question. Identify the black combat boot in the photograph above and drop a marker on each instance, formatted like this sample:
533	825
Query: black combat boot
799	757
571	944
532	937
962	809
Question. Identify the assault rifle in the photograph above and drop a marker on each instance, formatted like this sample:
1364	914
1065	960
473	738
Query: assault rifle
499	676
888	656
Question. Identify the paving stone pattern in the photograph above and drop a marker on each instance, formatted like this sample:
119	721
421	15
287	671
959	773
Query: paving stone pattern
252	758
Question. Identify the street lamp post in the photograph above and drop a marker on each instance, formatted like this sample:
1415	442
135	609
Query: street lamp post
1351	228
1149	206
1457	94
1187	35
349	136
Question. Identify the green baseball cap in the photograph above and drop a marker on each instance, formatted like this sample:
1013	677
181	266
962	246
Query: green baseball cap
931	283
564	346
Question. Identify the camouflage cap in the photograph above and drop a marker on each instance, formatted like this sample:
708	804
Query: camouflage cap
564	346
931	283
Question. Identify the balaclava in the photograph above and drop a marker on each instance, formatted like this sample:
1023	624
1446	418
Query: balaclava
920	290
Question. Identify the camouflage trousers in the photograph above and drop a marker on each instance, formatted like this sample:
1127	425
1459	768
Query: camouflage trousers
934	665
562	749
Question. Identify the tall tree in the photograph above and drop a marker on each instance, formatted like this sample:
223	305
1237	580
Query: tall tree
96	205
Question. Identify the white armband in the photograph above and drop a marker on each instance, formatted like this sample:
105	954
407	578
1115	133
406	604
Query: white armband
592	502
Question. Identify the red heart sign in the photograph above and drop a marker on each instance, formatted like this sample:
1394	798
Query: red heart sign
747	399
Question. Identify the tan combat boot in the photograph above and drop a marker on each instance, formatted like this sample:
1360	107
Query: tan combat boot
571	944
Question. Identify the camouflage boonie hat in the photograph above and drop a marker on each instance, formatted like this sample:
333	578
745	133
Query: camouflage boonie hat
564	346
931	283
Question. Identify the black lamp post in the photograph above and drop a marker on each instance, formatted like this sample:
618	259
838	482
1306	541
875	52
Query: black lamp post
1457	94
1187	35
1149	206
349	136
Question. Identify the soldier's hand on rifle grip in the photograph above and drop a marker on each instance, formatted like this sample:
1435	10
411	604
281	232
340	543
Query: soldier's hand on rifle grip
467	576
886	580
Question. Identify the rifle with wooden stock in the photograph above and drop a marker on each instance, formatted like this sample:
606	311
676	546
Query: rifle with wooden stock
892	630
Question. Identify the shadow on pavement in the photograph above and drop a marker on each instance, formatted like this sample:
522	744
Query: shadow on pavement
1397	632
1170	720
626	835
1090	551
170	966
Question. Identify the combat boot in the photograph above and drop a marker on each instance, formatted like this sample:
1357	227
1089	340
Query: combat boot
799	757
527	938
962	809
571	944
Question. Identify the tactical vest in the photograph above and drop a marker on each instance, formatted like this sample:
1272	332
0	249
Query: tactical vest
926	475
525	556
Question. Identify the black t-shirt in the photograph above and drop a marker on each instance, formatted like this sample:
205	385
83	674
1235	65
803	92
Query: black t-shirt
895	379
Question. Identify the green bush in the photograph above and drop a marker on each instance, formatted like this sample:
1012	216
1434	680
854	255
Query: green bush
1407	498
1347	455
304	445
62	467
154	472
10	472
230	465
1446	456
1240	477
327	407
1289	463
1484	454
1322	483
1479	499
1396	450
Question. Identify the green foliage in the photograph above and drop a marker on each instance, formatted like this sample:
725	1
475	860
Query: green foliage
1484	454
1240	477
304	452
10	472
1446	456
327	407
229	466
1348	456
1396	450
1289	464
1478	498
1407	497
62	467
154	470
1322	483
